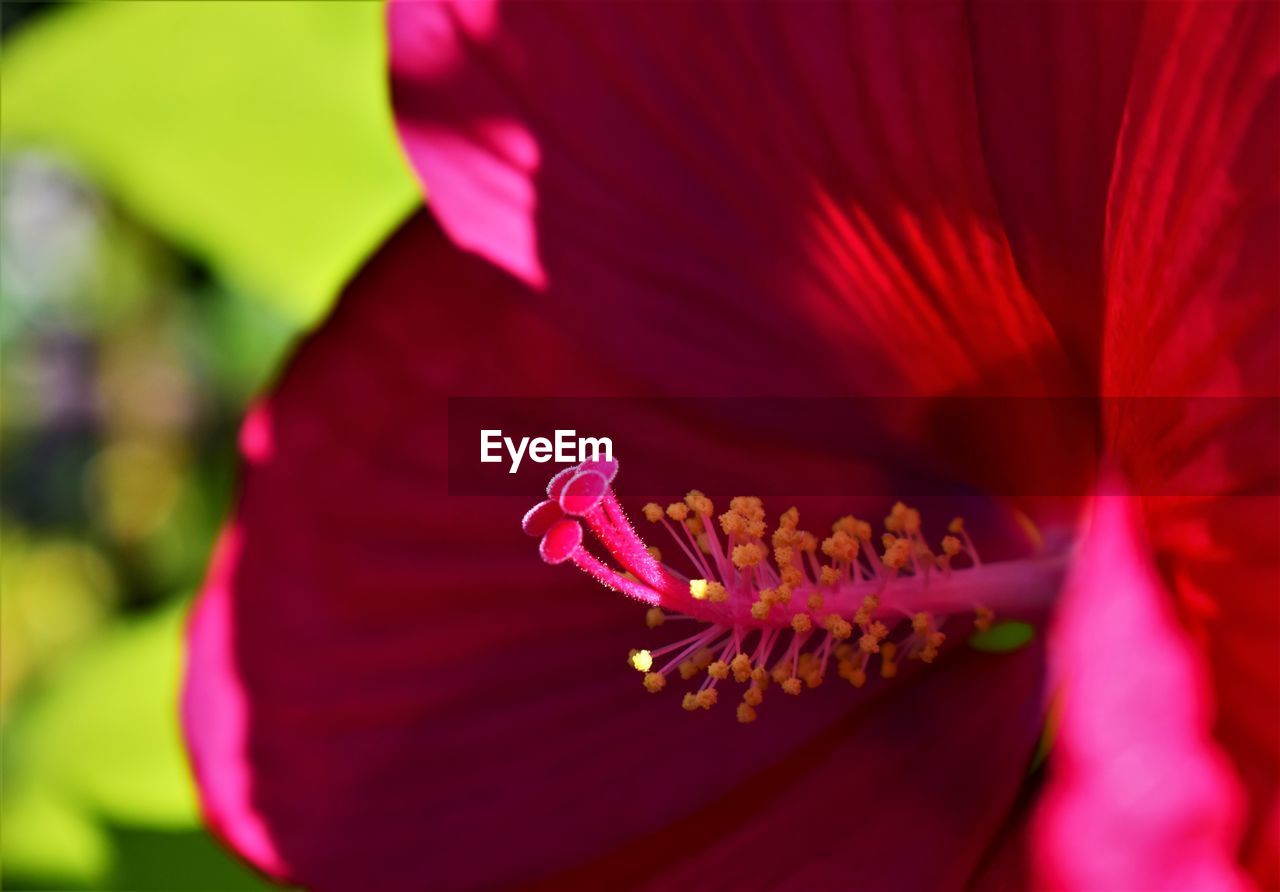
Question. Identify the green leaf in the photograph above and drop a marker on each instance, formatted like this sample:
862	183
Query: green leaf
48	843
256	135
1003	637
104	732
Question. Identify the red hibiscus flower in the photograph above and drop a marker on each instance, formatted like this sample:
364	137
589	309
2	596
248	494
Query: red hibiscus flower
938	202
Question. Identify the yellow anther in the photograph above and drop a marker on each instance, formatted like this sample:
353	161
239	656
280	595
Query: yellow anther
654	617
741	666
888	667
870	604
902	519
789	519
880	630
847	525
893	522
707	698
782	555
653	682
791	577
956	525
844	651
653	512
687	669
718	669
812	677
838	626
698	589
783	594
911	521
801	623
716	593
760	677
654	552
808	542
690	702
678	511
888	539
693	524
814	602
869	644
840	546
897	554
781	671
829	575
698	503
921	622
746	714
932	643
702	659
791	685
852	673
747	555
754	529
642	660
753	696
760	610
747	506
732	523
983	618
950	546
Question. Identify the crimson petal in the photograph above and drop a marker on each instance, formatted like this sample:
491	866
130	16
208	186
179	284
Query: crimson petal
815	189
384	687
1192	352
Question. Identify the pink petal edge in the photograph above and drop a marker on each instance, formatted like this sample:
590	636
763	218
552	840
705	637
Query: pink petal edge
1140	796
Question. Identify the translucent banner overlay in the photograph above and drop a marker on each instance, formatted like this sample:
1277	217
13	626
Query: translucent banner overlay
872	446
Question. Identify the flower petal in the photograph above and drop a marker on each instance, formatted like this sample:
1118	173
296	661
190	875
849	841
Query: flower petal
1193	351
1052	81
934	764
1139	795
385	688
814	193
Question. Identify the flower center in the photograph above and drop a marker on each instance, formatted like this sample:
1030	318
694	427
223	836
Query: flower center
782	606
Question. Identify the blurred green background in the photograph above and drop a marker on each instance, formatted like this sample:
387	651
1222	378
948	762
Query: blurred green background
183	189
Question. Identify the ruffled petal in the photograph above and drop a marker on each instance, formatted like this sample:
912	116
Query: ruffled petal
1192	356
1139	797
1052	81
814	192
